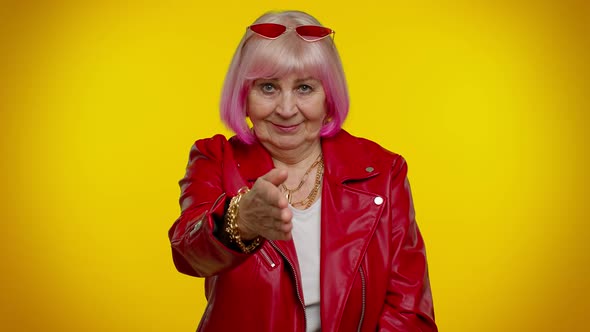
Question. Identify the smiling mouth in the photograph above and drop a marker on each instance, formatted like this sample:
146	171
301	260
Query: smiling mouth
286	128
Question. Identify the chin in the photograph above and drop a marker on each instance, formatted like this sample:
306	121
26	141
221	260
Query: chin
288	145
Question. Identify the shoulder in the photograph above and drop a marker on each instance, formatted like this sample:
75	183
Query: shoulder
383	157
352	158
217	141
215	145
362	149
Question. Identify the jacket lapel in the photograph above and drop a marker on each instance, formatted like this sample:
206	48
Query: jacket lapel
349	219
253	161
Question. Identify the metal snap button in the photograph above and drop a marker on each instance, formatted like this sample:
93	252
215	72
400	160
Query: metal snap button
369	169
378	200
196	227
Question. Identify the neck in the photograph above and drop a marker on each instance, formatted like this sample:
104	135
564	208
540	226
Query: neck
305	170
296	158
297	163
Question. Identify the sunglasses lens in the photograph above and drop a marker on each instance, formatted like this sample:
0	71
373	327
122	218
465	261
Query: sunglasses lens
268	30
313	32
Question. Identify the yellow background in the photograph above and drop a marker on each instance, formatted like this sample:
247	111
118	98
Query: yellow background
100	102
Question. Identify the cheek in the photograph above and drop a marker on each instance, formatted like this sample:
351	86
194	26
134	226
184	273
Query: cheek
258	107
316	110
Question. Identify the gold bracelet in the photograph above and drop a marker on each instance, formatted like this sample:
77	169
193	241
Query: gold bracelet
231	218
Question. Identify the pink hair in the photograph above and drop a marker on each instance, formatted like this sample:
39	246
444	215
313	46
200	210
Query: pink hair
257	57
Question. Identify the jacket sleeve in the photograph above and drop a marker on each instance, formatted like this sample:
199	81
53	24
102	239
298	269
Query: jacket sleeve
408	303
211	177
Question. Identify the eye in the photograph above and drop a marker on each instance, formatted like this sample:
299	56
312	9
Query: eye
267	88
304	88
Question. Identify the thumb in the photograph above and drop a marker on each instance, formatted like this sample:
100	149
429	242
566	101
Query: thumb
275	176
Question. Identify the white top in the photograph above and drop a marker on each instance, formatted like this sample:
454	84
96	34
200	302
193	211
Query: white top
306	235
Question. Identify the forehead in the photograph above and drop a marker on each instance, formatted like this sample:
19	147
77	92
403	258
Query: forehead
282	57
291	77
288	67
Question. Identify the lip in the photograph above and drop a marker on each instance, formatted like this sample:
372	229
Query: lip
286	128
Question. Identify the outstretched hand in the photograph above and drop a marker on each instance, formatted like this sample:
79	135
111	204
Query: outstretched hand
264	210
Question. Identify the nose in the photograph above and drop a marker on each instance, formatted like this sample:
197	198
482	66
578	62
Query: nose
287	105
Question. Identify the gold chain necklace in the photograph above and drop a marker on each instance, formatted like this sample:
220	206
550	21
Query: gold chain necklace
289	192
308	201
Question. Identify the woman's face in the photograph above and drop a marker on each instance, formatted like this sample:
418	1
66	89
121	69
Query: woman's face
287	112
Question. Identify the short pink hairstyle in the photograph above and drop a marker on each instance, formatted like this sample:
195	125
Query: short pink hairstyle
257	57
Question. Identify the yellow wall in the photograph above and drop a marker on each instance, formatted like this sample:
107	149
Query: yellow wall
99	104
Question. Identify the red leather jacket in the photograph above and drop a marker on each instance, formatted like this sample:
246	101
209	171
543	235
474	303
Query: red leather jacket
373	265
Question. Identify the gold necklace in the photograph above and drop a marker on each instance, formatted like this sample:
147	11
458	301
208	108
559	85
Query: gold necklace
308	201
289	192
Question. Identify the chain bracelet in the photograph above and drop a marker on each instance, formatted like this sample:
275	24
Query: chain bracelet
231	222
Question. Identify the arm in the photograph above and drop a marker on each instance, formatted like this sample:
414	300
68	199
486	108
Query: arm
408	303
210	178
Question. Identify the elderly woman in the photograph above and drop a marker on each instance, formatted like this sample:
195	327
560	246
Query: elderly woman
296	224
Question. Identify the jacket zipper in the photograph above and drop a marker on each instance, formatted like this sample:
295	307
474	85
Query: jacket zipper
267	257
362	272
296	281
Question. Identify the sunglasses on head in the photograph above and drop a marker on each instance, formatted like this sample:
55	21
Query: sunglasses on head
308	33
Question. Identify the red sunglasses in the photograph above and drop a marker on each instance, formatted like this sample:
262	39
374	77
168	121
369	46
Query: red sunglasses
308	33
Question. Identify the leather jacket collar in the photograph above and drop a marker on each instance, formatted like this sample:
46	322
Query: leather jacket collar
341	159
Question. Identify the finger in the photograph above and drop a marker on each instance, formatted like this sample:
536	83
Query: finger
279	235
282	230
286	227
278	225
284	235
286	215
282	202
275	176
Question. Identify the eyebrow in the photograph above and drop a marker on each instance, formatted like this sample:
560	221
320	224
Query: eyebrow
310	78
